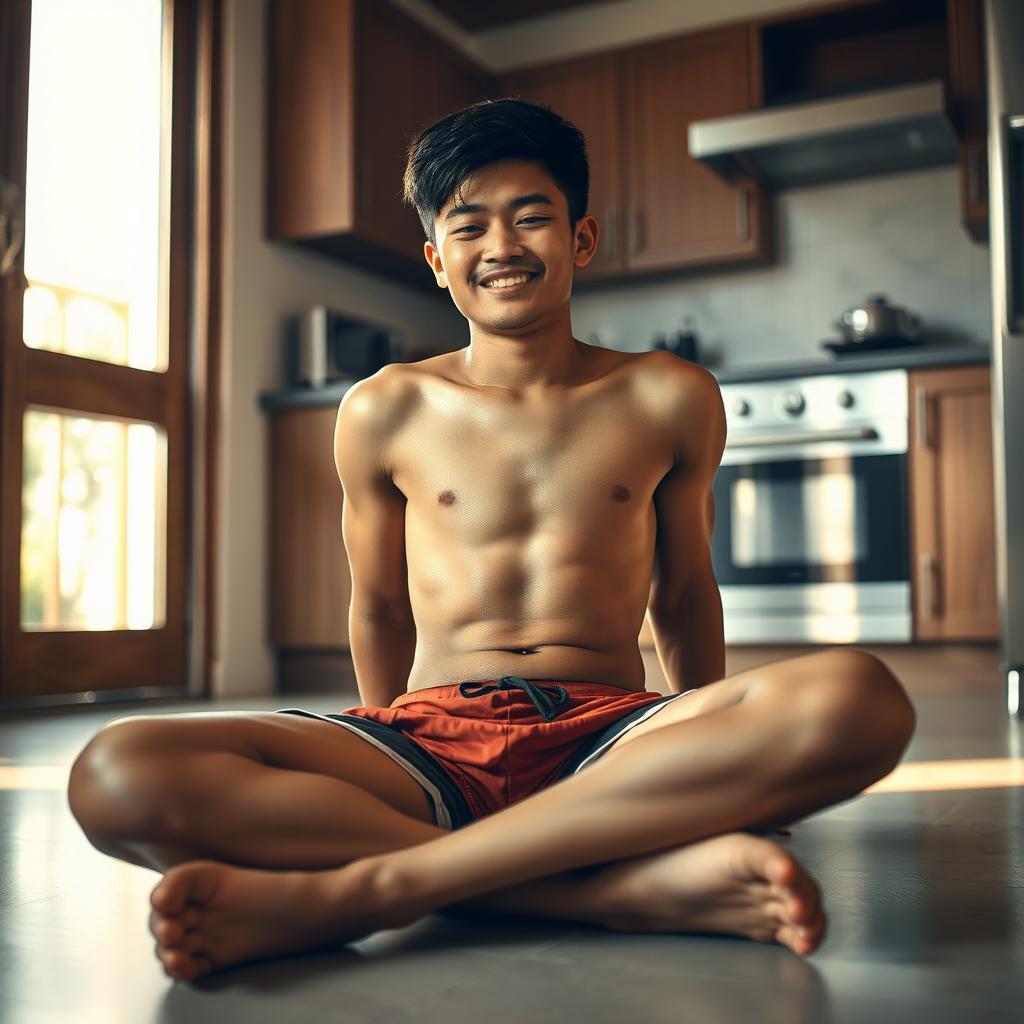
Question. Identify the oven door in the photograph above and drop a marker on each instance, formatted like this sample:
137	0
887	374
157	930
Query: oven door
806	520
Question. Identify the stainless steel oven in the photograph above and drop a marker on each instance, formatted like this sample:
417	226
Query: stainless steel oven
810	541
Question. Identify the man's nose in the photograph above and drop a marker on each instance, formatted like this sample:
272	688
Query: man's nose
502	243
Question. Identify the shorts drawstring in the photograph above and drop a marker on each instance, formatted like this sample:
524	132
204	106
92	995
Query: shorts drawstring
546	699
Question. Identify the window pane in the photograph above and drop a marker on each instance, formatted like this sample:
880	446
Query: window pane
95	202
93	541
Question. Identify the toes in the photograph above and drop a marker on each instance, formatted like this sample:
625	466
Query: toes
167	931
182	966
805	938
194	882
185	962
171	931
169	894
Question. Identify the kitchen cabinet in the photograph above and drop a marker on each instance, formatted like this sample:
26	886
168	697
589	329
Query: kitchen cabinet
588	92
969	110
658	208
952	504
351	82
310	583
679	213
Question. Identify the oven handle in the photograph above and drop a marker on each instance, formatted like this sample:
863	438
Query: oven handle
806	437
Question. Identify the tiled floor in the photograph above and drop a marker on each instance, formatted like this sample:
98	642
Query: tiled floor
924	890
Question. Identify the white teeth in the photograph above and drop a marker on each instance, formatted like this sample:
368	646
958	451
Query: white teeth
506	282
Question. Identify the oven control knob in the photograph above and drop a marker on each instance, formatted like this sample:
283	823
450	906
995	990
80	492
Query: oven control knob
741	407
793	402
845	399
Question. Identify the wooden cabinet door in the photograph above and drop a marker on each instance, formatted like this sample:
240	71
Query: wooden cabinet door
587	92
952	505
968	106
395	98
310	582
457	82
681	213
310	45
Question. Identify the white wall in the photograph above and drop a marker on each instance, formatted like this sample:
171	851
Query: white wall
264	283
897	234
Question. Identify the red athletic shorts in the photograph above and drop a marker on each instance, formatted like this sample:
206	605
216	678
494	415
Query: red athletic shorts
477	747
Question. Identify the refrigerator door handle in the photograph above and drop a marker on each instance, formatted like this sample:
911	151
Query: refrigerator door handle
1013	223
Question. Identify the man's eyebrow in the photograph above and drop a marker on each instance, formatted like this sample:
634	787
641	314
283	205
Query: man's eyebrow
514	204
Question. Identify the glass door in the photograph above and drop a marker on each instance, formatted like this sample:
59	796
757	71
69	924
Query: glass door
94	537
815	520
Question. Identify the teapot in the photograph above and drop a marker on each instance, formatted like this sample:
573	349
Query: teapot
877	320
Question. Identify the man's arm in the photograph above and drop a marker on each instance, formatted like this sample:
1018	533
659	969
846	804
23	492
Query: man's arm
382	633
685	606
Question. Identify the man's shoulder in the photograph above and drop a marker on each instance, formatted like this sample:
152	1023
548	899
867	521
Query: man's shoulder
378	403
671	384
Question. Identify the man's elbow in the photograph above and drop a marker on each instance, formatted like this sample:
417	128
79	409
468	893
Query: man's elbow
683	600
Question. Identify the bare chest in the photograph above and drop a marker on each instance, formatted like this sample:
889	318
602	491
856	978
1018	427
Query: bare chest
493	471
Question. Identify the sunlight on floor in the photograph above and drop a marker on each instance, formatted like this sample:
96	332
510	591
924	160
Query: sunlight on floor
988	773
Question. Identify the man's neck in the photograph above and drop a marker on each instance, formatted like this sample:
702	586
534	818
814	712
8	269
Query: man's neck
523	363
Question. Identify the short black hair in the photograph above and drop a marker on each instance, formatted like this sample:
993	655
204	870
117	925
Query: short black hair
447	153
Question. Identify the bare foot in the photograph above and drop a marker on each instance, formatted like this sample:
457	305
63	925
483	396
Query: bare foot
207	915
736	883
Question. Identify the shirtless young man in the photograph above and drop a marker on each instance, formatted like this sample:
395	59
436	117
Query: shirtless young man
512	510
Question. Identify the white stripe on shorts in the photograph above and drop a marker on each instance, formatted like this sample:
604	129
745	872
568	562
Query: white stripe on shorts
653	710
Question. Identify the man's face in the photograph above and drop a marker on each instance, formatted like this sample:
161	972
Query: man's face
506	249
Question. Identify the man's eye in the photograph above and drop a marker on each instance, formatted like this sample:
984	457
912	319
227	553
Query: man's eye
526	220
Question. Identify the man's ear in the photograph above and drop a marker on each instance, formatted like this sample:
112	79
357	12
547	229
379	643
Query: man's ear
585	240
433	258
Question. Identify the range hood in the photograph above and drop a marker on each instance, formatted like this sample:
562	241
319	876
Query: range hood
807	143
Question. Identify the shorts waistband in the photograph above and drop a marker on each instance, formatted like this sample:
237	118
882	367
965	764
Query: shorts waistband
452	690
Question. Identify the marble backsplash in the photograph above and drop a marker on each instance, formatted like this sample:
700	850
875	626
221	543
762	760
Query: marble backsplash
899	235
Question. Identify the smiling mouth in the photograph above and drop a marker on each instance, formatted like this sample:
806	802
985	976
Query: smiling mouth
509	283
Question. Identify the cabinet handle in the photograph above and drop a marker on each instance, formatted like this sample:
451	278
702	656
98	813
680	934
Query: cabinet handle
927	588
921	396
635	228
974	173
611	228
742	204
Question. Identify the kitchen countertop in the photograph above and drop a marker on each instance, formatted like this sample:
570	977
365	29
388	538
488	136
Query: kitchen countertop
910	358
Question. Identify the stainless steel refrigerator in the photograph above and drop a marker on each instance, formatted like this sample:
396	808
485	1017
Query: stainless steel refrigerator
1004	45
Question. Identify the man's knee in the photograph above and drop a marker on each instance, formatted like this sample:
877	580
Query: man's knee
856	711
118	787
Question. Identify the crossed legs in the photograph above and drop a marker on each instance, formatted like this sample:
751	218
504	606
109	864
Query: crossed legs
670	809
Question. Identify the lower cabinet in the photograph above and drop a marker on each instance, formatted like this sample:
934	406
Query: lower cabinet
310	583
952	505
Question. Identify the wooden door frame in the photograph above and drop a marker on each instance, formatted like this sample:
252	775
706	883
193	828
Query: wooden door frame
195	244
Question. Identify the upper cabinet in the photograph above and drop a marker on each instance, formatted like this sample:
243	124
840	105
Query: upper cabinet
970	112
588	92
658	209
679	213
351	83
